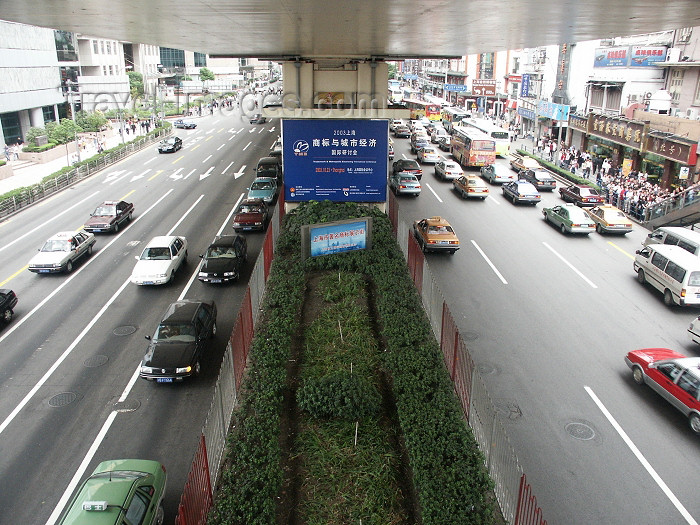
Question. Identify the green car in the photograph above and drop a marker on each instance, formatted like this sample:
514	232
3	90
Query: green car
569	218
120	491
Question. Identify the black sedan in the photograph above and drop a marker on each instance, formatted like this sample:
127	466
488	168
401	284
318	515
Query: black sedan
224	259
184	124
8	300
170	145
258	118
179	342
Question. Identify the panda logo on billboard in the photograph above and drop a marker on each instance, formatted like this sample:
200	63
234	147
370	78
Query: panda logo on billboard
301	148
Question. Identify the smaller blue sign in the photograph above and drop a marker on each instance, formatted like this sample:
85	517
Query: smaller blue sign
410	76
553	111
525	86
455	87
526	113
338	237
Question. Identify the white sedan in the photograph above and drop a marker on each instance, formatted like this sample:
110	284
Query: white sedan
448	170
159	260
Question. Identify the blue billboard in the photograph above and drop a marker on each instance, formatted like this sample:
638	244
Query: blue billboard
333	159
336	237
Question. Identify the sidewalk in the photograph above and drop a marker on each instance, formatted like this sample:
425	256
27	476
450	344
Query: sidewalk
29	173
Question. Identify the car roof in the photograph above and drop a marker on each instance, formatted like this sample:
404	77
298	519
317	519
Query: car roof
225	240
254	201
268	160
63	235
162	240
678	255
436	221
264	179
180	311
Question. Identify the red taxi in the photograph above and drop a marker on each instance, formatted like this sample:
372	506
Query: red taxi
673	376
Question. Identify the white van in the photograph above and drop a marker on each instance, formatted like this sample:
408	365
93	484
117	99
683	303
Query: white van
675	235
671	270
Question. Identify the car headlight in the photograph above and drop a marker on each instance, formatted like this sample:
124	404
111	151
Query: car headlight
229	274
146	370
184	370
236	224
162	275
57	265
259	223
203	274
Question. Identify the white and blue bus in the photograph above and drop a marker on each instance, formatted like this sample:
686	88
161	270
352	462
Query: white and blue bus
452	117
500	136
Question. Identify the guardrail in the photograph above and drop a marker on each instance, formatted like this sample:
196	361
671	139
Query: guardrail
36	192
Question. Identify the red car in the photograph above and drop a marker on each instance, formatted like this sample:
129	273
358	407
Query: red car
251	214
109	217
581	195
673	376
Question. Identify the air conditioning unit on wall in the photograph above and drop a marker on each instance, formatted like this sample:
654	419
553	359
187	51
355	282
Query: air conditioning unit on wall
691	113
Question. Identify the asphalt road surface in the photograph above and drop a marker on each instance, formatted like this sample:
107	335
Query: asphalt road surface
68	361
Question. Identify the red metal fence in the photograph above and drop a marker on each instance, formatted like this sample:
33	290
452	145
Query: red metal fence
528	511
197	497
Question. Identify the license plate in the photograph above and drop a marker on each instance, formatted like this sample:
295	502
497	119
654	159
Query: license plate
215	280
148	282
248	228
97	230
43	271
444	242
164	380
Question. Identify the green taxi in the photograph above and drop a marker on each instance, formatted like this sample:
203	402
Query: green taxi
120	491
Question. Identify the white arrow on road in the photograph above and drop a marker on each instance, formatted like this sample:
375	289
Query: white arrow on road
252	130
271	129
205	175
176	175
140	176
113	175
239	173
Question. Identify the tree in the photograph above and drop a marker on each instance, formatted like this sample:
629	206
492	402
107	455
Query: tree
206	74
135	84
63	132
392	70
90	121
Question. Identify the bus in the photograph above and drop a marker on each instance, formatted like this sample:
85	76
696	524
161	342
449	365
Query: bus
395	95
421	108
452	117
471	147
498	134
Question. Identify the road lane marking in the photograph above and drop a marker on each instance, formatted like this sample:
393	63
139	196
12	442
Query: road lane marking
112	183
178	159
217	149
246	146
150	160
60	359
195	147
209	137
570	265
190	173
488	261
492	198
231	137
125	196
3	283
239	173
621	250
206	159
431	189
50	220
184	215
22	320
226	168
155	175
78	476
660	482
206	173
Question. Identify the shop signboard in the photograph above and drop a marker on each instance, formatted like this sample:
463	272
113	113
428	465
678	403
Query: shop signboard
455	87
672	147
612	56
578	123
553	111
643	56
338	160
619	130
525	86
526	113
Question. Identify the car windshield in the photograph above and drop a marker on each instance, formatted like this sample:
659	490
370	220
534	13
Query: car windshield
216	252
261	185
156	254
173	333
249	208
411	178
694	279
267	172
588	191
105	210
440	230
56	245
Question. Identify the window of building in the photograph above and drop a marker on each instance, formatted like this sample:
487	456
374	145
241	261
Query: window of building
696	98
111	70
95	47
200	59
516	65
104	70
102	45
48	113
109	48
66	47
172	57
486	65
11	129
674	86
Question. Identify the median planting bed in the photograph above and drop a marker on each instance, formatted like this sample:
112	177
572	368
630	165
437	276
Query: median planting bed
347	414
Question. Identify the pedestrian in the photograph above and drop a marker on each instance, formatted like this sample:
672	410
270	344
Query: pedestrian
7	153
